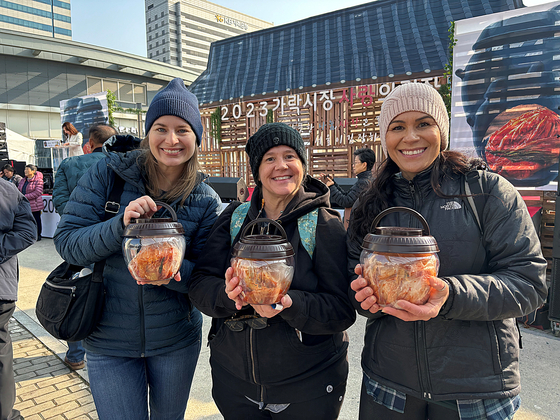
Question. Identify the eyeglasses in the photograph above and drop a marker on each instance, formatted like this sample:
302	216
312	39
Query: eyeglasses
253	321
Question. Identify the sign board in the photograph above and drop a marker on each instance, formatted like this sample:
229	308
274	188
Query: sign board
50	143
506	93
49	217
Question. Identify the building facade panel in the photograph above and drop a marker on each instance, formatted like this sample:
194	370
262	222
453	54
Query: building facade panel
39	17
179	32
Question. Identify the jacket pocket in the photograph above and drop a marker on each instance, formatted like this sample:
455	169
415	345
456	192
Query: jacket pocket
494	348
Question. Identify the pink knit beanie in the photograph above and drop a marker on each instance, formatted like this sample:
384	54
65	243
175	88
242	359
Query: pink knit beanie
420	97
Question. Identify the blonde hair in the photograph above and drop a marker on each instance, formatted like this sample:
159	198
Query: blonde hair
184	185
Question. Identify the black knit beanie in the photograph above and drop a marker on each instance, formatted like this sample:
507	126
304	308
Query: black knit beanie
269	136
175	99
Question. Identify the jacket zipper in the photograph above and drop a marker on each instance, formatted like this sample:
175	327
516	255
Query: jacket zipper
422	360
142	332
56	286
261	389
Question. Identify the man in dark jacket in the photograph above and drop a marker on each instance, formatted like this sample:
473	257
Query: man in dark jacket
67	176
364	159
17	231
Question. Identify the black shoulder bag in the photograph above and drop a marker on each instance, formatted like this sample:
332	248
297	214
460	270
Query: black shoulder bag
70	302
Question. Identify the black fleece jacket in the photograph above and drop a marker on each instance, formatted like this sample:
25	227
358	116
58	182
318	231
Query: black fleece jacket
273	364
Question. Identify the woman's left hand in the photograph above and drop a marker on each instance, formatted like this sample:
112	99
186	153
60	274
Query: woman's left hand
269	311
161	282
410	312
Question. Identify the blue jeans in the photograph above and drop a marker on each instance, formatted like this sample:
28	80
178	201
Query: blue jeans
120	385
76	352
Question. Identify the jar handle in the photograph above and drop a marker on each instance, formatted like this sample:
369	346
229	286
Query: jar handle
265	220
169	209
425	230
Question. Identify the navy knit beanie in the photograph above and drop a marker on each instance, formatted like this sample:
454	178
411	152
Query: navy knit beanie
269	136
175	99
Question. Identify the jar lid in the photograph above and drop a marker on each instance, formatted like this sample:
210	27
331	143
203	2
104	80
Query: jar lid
400	240
263	246
155	227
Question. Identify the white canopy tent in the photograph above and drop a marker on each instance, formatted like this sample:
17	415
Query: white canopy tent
20	147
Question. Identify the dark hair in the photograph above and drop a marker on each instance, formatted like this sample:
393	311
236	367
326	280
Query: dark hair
9	168
100	133
70	128
366	156
32	167
376	197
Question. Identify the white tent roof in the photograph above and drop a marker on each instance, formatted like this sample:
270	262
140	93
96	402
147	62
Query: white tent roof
20	147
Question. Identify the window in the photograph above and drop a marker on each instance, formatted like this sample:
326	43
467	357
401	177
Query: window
161	14
149	20
150	6
123	90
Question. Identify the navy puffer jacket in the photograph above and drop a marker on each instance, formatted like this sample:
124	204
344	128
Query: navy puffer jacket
137	320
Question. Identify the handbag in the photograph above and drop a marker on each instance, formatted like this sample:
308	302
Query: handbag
70	303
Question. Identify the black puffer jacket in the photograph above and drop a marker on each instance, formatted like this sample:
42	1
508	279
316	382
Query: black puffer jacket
472	349
272	364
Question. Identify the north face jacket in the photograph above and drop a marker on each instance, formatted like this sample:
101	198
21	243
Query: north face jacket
471	350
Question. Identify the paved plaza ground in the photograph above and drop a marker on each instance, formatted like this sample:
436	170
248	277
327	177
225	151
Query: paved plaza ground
48	389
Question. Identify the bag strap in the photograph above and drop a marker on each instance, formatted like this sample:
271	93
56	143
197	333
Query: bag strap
307	225
112	207
475	196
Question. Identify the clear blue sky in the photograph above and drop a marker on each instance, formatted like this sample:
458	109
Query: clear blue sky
121	24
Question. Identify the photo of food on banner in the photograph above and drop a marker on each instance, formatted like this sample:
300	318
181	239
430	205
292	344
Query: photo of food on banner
511	96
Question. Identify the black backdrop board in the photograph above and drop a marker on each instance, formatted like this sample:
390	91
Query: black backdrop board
226	187
554	292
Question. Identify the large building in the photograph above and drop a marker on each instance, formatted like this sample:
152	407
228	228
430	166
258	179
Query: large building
179	32
37	17
38	72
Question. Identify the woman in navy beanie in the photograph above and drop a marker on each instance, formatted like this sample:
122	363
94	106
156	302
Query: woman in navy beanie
289	360
142	355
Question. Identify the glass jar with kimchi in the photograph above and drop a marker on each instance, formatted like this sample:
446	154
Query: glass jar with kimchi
154	248
263	262
398	262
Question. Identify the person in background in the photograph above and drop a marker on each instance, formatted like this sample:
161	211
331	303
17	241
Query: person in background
17	232
142	355
32	187
72	139
71	169
67	176
457	355
364	159
288	361
10	175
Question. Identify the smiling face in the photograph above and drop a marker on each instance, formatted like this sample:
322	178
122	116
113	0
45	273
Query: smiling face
413	142
172	142
280	172
29	173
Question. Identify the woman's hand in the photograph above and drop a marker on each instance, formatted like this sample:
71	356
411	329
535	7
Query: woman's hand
161	282
364	293
269	311
141	208
410	312
233	289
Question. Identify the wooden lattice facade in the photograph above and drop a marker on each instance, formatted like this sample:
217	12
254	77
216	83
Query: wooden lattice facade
333	123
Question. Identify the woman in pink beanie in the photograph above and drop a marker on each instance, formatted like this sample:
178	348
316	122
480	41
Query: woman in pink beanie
456	356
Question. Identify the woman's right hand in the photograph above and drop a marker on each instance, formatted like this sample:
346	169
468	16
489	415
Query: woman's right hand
364	293
141	208
233	289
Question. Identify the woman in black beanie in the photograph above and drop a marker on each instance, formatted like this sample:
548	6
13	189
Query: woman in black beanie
288	361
